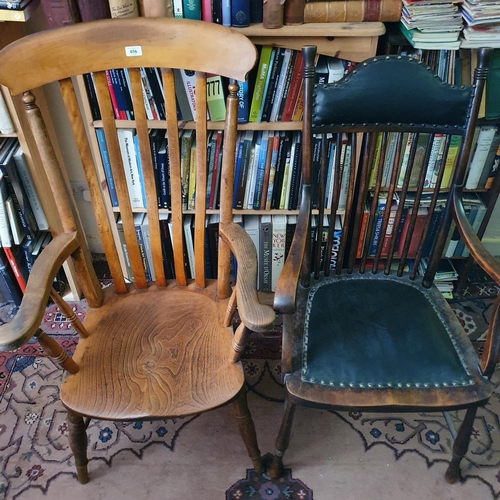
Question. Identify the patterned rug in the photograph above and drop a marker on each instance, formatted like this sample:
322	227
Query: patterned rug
34	448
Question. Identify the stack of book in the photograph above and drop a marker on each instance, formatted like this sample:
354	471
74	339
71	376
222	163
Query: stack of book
17	10
482	18
445	276
432	24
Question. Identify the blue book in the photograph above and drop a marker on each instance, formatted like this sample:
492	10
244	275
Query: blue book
240	13
191	9
237	168
261	169
120	96
139	168
243	102
103	149
266	84
226	13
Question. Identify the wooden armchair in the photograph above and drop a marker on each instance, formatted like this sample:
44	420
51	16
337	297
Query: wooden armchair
148	350
365	334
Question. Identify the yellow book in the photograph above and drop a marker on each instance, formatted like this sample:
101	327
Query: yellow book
192	178
373	173
451	160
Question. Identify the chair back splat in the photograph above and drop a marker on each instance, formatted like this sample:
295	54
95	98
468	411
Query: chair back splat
385	153
159	343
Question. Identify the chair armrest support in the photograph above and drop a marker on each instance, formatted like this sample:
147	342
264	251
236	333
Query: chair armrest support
285	296
29	316
254	315
492	267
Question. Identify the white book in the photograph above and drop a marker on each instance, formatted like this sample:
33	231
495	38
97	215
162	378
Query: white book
251	224
281	85
477	164
5	235
406	157
145	91
252	175
436	144
27	180
129	158
188	235
346	176
178	11
6	125
189	81
287	175
278	248
15	226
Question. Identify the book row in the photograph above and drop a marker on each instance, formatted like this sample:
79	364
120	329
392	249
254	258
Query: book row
271	234
267	169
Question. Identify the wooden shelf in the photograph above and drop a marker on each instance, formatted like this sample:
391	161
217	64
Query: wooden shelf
236	211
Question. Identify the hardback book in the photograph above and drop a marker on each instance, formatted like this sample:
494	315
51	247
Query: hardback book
287	57
17	261
92	96
418	162
341	11
243	101
244	168
216	98
103	150
191	9
261	169
177	8
91	10
278	247
121	236
422	213
154	80
155	140
123	8
256	11
265	249
294	90
213	241
293	13
270	87
478	160
431	165
251	225
147	246
206	11
156	8
188	236
6	125
189	81
5	231
166	247
9	288
258	92
240	13
181	96
59	13
192	178
489	159
119	114
252	172
493	170
214	191
138	220
267	171
187	139
129	158
211	145
291	224
451	160
30	190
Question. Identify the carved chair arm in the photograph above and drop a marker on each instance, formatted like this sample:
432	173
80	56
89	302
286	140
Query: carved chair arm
254	315
29	316
492	267
285	296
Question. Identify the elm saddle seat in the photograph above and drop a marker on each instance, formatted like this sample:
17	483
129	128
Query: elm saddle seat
157	349
364	333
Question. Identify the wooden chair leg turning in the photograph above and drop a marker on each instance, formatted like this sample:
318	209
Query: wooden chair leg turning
460	446
247	429
283	440
78	443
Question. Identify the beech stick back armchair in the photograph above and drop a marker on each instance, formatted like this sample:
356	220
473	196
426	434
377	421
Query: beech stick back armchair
148	349
361	331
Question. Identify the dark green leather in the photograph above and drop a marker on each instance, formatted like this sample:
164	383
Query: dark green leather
377	333
425	100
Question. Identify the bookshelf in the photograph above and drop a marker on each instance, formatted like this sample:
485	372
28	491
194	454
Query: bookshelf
9	32
351	41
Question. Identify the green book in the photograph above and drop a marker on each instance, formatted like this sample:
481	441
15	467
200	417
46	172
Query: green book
216	101
258	93
493	87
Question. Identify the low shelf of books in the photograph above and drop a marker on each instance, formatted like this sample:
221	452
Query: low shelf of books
268	157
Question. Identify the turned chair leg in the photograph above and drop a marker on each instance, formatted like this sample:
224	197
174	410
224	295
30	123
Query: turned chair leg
283	440
247	429
78	444
460	446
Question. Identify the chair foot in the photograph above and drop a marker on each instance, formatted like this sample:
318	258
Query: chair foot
82	474
78	443
452	474
276	467
247	430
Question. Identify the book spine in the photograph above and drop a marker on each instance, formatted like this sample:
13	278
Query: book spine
265	250
216	101
484	140
273	14
243	104
293	92
92	96
191	9
177	5
59	13
15	268
91	10
451	160
142	250
6	125
127	150
240	13
342	11
189	81
206	10
103	149
155	8
123	8
258	92
112	95
278	248
293	13
226	12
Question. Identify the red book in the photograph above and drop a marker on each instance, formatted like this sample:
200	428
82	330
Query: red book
293	92
417	232
15	268
112	95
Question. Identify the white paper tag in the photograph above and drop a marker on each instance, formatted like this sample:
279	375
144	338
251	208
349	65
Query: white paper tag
134	51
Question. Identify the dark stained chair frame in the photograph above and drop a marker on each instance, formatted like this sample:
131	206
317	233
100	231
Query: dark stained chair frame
383	94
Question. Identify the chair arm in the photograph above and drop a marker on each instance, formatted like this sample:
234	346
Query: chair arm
492	267
254	315
29	316
487	262
285	296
